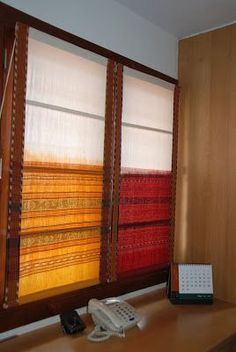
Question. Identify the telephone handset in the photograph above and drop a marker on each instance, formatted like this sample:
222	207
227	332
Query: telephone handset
112	317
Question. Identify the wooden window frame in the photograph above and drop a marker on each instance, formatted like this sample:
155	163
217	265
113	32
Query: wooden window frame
16	315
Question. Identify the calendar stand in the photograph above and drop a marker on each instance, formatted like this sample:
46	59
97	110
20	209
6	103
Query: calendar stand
190	284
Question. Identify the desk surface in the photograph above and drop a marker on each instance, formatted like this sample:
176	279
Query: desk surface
164	327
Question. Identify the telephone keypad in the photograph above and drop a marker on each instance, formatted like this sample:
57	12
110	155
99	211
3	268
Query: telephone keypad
124	311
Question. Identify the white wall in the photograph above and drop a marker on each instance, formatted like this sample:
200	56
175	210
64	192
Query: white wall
110	25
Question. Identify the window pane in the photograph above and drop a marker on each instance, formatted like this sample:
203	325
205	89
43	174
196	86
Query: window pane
55	136
147	100
143	149
63	167
145	181
61	74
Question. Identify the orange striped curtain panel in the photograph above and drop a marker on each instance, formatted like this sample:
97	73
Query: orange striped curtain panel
63	167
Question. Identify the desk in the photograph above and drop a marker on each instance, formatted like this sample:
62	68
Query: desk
164	327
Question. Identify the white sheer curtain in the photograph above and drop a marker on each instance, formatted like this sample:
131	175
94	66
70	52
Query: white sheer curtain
65	102
147	122
57	136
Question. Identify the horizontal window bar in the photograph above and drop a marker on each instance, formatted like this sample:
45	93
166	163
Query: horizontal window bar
141	127
62	109
92	116
166	222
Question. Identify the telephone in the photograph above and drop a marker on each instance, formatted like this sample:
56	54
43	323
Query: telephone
112	317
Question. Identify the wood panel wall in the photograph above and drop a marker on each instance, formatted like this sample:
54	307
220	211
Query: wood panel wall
206	182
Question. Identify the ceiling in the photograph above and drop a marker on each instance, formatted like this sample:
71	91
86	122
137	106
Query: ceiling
184	17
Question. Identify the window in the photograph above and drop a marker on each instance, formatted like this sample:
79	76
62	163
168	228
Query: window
87	187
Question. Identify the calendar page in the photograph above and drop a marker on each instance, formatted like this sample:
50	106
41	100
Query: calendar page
195	278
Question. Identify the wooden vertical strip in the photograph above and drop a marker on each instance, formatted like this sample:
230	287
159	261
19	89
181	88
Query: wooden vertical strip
112	155
174	169
8	39
108	170
2	48
2	249
16	164
118	93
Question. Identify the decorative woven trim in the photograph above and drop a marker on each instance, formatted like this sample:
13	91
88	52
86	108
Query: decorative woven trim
108	169
118	93
174	169
16	162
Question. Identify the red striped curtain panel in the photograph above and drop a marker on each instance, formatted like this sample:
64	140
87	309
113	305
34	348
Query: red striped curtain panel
145	180
63	166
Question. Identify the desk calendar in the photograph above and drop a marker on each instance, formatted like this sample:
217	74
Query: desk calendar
190	283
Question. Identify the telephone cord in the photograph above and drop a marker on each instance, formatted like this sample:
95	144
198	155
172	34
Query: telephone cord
99	335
